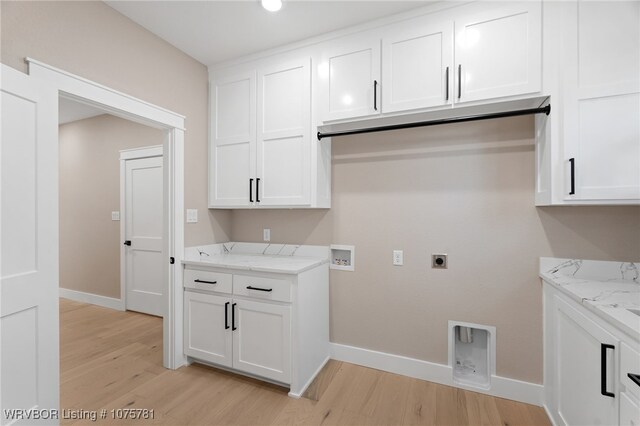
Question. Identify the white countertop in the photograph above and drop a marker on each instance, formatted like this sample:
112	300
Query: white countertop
275	258
608	289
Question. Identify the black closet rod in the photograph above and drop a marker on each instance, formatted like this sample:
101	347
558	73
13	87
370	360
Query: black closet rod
546	110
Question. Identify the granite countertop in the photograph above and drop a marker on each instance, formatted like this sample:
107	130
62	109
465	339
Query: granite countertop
609	289
275	258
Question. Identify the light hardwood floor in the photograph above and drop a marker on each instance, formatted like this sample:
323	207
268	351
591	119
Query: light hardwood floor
111	359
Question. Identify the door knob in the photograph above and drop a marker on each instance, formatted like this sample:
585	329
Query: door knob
127	243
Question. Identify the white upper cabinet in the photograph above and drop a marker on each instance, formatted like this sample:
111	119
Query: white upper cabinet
232	147
417	64
349	78
283	148
602	102
261	150
498	51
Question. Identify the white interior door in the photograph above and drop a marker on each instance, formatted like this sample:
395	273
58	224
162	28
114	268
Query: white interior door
143	235
29	373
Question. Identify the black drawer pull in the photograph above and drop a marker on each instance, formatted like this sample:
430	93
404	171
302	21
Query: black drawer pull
258	288
635	378
205	282
603	370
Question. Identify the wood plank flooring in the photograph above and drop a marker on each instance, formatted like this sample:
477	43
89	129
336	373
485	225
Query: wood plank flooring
111	359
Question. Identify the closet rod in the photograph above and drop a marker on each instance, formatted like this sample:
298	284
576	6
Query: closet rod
545	109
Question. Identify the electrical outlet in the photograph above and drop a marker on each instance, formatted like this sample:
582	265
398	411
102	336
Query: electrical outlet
398	258
192	215
266	234
115	215
439	261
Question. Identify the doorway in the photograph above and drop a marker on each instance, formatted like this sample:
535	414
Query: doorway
76	88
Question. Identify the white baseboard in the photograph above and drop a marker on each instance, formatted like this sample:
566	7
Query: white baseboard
502	387
94	299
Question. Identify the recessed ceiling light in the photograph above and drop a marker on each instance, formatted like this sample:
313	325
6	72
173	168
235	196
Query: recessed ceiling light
272	5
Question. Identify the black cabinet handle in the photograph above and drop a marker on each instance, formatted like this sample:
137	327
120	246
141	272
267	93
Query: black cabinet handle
375	95
459	81
446	80
251	190
572	162
635	378
226	316
127	243
259	289
205	282
603	370
258	190
233	317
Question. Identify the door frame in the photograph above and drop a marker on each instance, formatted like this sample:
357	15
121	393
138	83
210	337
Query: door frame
81	90
130	154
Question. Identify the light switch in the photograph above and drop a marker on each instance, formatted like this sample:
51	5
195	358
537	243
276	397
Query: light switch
192	215
266	234
398	258
115	215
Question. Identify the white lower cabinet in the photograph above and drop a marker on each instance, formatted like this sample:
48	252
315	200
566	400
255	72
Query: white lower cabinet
249	336
262	339
207	331
587	363
585	369
266	325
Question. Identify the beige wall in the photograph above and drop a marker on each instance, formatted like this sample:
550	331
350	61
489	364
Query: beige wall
92	40
465	190
89	192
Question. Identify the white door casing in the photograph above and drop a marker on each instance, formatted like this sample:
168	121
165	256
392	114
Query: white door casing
142	200
83	90
29	370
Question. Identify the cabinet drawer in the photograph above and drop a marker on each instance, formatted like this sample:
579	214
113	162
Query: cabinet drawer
629	363
207	280
262	288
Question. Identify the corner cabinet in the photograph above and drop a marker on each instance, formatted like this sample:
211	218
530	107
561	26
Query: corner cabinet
261	151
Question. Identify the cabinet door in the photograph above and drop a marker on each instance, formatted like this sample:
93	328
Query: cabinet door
232	146
417	65
207	328
603	102
579	369
284	127
498	52
262	340
349	79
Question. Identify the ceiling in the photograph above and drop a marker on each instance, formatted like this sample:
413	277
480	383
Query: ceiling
69	111
217	31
